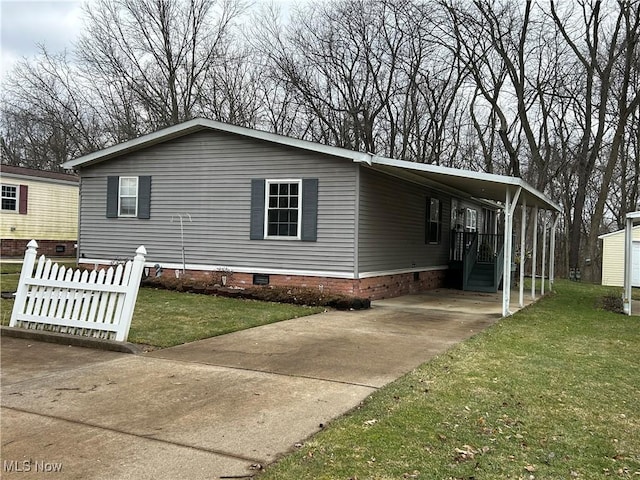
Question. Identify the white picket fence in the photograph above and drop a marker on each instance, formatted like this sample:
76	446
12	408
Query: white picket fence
96	304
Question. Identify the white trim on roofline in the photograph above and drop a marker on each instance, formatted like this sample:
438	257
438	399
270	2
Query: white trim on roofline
439	187
34	179
453	172
461	173
198	124
617	232
202	123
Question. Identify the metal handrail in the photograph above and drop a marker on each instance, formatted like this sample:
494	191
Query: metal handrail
470	256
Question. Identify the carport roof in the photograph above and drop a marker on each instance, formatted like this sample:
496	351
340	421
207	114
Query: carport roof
480	185
475	184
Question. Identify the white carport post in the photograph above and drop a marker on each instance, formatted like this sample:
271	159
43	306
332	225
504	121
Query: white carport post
628	261
552	251
523	234
534	259
544	251
509	208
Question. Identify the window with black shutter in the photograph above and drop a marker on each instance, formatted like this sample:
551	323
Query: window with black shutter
129	196
284	209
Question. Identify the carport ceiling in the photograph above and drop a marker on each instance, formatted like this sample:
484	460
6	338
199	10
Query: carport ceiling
479	185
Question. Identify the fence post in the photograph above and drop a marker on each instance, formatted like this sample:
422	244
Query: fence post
131	295
25	273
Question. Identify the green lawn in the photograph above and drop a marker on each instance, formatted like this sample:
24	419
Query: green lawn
163	318
552	392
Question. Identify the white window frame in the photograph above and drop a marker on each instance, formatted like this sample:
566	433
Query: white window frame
135	214
471	220
268	183
17	198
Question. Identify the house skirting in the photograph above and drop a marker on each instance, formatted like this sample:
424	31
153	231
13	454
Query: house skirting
15	247
374	288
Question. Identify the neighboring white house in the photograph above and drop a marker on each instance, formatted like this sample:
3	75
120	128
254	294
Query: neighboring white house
613	258
38	205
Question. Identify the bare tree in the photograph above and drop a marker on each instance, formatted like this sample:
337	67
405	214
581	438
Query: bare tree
609	42
543	91
367	75
140	65
164	52
46	114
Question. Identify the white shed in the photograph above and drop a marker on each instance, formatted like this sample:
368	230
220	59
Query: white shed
613	258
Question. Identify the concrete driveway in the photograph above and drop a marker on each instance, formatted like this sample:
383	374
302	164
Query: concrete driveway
218	407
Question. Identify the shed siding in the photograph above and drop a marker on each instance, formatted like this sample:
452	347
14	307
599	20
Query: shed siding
392	225
208	175
52	211
613	257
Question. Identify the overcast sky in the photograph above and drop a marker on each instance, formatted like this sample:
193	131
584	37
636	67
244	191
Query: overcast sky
26	23
53	23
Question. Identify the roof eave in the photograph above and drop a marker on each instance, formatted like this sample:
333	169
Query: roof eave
617	232
198	124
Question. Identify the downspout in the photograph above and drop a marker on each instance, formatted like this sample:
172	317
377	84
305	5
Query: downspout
356	239
356	230
78	221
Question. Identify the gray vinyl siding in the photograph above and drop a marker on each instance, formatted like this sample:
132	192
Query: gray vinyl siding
208	175
392	225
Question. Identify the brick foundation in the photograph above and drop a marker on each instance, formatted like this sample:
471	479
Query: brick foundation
387	286
16	247
374	288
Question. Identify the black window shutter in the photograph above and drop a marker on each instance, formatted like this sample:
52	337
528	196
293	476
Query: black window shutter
257	209
23	197
144	197
113	185
309	210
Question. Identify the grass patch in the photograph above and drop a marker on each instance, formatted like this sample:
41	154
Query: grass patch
551	392
10	268
8	283
165	318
